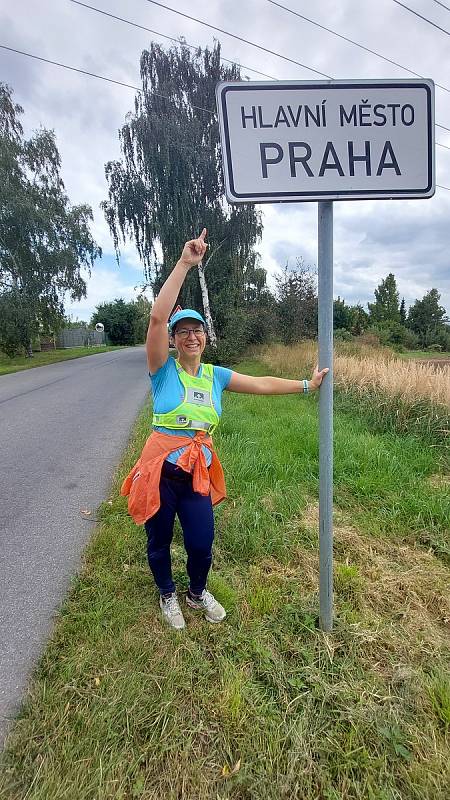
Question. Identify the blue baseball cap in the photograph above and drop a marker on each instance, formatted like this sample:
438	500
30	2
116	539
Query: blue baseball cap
186	313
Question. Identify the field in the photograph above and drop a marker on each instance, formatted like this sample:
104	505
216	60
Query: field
426	355
19	363
264	705
405	396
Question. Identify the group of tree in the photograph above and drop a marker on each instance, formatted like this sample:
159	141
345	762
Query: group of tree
354	320
124	323
424	325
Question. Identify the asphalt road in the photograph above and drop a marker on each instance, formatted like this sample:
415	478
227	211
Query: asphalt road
62	431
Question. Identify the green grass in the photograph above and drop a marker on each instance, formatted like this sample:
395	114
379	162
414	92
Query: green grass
424	354
264	705
398	415
19	363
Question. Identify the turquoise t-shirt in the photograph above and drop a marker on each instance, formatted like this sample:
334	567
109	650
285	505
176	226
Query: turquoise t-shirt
168	393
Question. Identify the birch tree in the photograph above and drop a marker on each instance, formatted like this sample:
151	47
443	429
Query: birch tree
168	184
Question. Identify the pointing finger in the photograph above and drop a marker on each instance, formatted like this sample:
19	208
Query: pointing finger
202	235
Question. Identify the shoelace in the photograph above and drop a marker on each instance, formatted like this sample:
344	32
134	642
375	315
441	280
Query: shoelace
208	599
172	605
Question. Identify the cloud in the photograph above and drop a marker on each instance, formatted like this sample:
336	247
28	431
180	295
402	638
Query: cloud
104	286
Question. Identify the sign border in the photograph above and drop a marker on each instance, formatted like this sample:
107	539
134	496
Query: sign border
222	90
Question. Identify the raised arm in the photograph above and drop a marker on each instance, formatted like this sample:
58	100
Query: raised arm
157	339
250	384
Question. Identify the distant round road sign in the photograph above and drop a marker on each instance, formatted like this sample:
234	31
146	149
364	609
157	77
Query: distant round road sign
99	326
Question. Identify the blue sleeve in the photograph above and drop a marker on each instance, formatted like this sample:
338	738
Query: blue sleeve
223	376
159	378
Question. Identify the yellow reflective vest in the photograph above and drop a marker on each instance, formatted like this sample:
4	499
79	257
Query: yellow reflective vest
196	411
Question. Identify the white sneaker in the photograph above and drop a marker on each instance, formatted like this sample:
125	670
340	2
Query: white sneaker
214	612
171	611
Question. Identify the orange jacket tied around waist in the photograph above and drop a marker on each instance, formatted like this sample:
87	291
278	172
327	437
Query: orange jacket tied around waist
142	482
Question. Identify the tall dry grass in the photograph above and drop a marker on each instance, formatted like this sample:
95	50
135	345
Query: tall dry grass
405	396
367	369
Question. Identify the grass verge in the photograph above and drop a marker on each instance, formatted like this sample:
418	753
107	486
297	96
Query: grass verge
48	357
263	705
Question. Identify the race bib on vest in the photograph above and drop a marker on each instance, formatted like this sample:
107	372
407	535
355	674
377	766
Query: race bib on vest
198	397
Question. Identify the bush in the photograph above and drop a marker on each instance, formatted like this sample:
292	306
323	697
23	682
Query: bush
341	335
410	341
398	336
224	355
443	338
369	339
243	328
261	323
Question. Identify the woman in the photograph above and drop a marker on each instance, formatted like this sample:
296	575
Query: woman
179	471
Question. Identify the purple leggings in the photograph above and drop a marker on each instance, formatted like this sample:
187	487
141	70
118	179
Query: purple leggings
197	521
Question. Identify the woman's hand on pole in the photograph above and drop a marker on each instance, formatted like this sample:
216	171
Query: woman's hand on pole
317	378
193	251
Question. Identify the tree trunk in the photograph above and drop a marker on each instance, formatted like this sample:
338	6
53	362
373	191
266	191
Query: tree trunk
207	310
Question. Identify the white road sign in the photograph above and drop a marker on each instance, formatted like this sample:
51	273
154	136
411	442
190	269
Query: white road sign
291	141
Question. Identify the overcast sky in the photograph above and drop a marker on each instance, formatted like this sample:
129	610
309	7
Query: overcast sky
371	238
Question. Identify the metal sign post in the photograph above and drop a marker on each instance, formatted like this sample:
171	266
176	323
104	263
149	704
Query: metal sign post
325	237
297	141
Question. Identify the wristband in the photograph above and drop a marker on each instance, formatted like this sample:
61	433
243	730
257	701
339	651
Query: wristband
305	387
